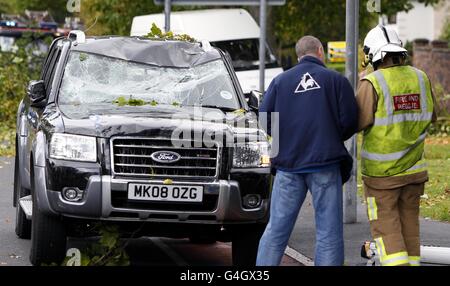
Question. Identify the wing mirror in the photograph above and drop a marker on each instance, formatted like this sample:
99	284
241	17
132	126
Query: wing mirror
36	93
253	99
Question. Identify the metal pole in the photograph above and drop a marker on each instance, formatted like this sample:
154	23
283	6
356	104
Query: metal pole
351	72
262	44
167	11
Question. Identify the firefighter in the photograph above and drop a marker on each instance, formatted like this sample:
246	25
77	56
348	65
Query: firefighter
396	107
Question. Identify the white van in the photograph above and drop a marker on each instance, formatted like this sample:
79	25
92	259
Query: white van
232	30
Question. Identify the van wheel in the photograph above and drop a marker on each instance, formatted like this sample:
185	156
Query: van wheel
245	244
48	238
23	225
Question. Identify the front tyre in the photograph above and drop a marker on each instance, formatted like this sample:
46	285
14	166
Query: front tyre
48	237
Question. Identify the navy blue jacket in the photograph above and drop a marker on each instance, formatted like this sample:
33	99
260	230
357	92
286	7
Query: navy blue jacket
317	112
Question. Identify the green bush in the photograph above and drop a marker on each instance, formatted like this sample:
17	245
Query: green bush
446	31
339	67
16	70
440	128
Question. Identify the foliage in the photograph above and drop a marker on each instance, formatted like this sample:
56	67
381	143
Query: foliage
5	6
57	8
325	19
440	128
16	70
157	33
442	100
122	101
109	250
114	17
436	202
339	67
446	31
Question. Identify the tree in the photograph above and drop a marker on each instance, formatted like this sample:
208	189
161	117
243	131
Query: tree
6	6
446	31
57	8
114	17
325	19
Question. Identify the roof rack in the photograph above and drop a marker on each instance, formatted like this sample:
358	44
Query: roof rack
77	36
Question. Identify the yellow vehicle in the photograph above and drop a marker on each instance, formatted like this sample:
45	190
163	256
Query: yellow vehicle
336	52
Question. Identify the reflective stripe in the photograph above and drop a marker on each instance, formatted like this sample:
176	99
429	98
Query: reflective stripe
414	260
402	117
380	247
416	167
387	97
392	156
395	259
391	259
423	89
372	209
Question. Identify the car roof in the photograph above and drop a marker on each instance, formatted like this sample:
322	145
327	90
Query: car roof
162	53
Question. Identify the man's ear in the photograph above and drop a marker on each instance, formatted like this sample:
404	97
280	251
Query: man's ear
321	53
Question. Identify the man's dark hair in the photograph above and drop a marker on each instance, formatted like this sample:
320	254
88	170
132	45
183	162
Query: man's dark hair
307	45
396	58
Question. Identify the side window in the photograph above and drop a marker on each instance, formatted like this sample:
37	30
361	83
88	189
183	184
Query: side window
51	69
51	52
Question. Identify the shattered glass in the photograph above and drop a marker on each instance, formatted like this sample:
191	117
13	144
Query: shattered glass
95	79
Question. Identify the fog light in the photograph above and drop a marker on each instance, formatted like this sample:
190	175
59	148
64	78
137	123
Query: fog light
72	194
252	201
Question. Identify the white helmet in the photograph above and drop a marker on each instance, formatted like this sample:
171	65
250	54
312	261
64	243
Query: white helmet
381	40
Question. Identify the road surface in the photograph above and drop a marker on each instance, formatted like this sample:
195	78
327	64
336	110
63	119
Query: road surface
143	252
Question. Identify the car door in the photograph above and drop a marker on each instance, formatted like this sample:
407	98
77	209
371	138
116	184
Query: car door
32	113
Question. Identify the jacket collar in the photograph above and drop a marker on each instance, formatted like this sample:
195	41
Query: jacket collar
311	59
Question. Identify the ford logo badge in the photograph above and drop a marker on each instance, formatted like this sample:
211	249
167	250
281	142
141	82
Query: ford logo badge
165	157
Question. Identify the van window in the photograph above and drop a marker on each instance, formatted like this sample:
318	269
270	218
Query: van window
244	54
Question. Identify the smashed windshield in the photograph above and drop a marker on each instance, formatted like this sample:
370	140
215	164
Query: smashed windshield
94	79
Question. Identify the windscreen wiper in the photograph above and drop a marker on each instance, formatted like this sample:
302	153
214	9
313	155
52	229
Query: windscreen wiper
223	108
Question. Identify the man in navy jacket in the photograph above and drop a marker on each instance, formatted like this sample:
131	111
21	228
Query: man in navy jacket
316	112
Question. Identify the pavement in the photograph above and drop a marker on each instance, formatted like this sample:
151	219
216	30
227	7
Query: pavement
303	240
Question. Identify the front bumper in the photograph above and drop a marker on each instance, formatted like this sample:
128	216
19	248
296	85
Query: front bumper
98	204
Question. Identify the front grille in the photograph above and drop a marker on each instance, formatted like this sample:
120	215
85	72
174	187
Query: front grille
132	157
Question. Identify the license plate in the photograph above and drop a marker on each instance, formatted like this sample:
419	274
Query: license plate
169	193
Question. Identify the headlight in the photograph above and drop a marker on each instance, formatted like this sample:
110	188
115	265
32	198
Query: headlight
73	147
251	155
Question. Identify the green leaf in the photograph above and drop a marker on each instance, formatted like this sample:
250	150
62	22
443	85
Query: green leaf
136	102
108	240
239	111
156	31
83	57
121	101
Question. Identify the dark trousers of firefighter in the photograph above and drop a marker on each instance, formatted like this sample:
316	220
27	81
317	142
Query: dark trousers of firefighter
394	223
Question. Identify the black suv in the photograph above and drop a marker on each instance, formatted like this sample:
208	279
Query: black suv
150	135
